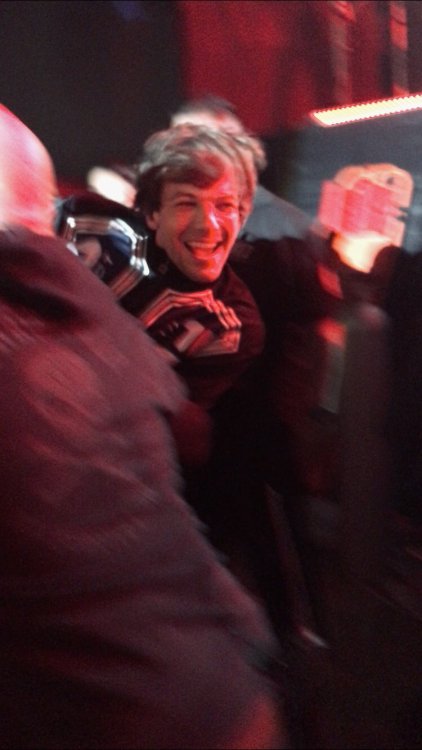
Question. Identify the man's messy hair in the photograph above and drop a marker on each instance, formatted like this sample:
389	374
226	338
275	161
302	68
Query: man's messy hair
194	154
214	105
218	107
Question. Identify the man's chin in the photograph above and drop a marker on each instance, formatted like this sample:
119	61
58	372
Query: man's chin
206	275
205	278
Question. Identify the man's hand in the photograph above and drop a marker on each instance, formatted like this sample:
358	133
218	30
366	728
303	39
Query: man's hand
359	250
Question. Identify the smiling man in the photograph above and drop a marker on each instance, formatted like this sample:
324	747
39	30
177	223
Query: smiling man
195	190
195	226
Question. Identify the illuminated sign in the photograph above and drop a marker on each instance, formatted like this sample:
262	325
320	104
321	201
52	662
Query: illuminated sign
328	118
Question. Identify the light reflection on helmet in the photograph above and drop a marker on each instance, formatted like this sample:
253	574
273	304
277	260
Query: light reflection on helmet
108	237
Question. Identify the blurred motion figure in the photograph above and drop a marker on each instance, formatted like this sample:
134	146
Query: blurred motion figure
119	628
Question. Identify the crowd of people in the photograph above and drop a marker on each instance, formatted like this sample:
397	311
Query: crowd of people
141	427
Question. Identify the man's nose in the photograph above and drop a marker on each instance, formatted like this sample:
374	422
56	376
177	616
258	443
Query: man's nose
206	216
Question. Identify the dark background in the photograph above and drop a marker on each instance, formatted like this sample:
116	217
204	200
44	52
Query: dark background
94	79
91	79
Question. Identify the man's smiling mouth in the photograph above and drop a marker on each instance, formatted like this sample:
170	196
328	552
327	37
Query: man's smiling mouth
202	250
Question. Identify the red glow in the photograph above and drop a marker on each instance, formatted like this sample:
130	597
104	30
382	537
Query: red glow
327	118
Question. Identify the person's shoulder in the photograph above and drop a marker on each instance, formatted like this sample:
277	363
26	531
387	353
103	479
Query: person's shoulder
273	218
232	288
263	251
41	267
16	238
265	197
43	283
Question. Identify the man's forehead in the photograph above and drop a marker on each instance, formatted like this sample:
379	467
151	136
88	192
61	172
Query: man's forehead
221	121
226	185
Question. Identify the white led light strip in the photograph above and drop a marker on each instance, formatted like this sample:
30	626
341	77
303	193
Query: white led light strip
366	111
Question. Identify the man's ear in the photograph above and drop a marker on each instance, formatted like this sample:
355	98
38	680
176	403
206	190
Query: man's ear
152	220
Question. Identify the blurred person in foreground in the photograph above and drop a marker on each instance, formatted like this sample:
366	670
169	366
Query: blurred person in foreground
119	627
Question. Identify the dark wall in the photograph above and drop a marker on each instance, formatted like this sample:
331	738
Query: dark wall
414	20
91	79
277	60
94	78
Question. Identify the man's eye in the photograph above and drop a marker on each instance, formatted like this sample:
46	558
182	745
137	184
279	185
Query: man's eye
185	204
227	206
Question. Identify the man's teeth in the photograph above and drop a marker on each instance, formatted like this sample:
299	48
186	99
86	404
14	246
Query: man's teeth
202	247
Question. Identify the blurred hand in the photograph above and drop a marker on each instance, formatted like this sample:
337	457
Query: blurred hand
359	250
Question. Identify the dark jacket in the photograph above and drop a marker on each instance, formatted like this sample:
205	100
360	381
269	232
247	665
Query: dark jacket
214	331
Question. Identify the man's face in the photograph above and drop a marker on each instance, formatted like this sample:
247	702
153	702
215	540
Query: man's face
197	227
